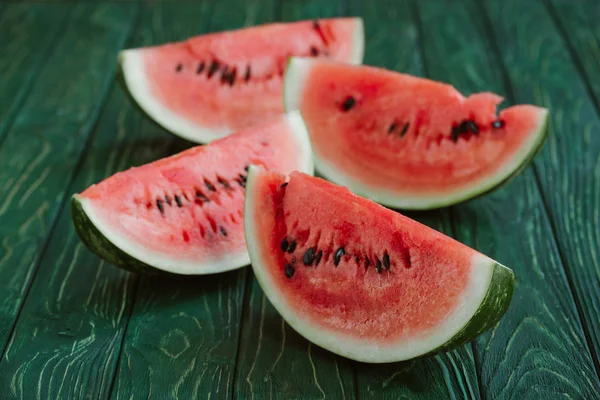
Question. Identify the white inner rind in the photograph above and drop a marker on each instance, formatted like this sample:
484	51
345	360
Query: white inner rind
173	263
353	347
358	42
295	80
134	73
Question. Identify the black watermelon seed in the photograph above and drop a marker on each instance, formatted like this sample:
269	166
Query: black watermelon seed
246	168
367	262
225	75
337	257
224	183
179	67
223	231
214	67
202	196
463	127
314	51
357	259
247	76
473	127
159	204
284	184
455	134
241	182
392	127
404	129
309	256
377	265
284	245
178	201
386	261
348	103
498	124
167	199
289	270
318	257
210	186
292	247
200	67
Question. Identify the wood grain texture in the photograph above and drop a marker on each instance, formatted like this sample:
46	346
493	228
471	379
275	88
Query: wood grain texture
182	339
53	351
540	70
392	41
24	51
274	361
42	148
539	347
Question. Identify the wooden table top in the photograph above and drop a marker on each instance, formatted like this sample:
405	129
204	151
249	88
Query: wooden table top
73	326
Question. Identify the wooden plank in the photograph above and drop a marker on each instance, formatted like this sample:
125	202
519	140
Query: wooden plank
25	51
540	340
578	23
182	339
392	42
540	70
37	161
274	361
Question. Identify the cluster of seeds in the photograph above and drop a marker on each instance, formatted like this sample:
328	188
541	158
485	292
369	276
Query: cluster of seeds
466	127
469	126
200	197
229	74
312	257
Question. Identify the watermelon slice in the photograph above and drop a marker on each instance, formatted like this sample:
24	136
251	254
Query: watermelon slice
183	214
211	85
361	280
409	142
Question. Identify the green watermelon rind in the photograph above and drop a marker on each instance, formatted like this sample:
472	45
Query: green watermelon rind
494	306
292	88
101	246
497	280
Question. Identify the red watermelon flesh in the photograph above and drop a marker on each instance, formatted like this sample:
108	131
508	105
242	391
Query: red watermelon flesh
183	213
361	280
211	85
406	141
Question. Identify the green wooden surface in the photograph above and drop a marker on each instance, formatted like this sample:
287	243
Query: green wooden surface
541	321
540	69
72	326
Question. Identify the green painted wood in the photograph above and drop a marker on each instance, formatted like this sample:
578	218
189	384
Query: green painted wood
392	41
43	145
539	347
49	345
274	361
580	28
182	339
578	23
540	70
29	33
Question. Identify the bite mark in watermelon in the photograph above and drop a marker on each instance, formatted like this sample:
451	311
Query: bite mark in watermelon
409	142
211	85
361	280
184	213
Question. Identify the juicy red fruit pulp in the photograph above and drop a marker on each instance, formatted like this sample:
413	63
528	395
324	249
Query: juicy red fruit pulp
353	266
